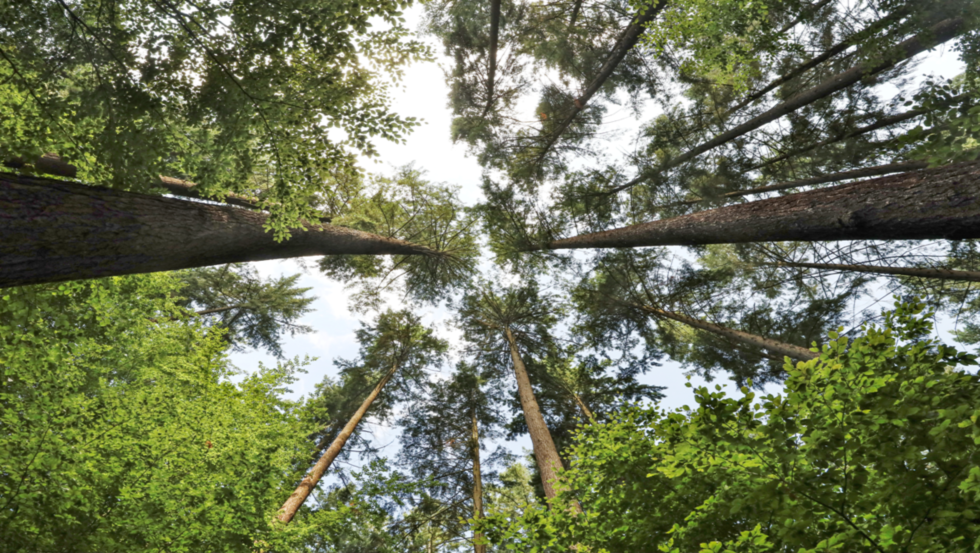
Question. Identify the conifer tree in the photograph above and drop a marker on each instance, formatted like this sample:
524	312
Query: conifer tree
254	312
511	328
445	430
396	344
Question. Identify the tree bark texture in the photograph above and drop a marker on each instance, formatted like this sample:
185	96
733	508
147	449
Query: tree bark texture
937	34
295	501
477	484
943	274
54	231
186	189
940	203
545	451
833	177
754	340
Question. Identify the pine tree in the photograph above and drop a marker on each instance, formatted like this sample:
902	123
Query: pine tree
396	343
515	324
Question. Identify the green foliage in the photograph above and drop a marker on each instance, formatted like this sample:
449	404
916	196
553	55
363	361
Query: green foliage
409	208
122	431
244	97
872	447
252	311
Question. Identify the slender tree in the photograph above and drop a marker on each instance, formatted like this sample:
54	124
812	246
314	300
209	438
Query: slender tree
878	170
937	34
503	324
396	342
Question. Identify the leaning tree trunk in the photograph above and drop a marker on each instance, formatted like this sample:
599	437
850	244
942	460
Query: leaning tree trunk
815	61
295	501
937	34
626	42
930	204
754	340
54	231
833	177
943	274
545	451
477	485
492	55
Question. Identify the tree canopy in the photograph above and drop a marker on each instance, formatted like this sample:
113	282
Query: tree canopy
731	189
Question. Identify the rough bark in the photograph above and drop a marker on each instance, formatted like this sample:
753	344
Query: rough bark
295	501
943	274
921	205
545	451
477	485
754	340
935	35
833	177
187	189
626	42
54	231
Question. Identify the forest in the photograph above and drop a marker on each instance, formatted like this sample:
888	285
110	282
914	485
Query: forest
778	199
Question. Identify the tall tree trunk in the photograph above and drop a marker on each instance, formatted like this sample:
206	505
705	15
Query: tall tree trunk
943	274
626	42
584	408
880	124
833	177
295	501
545	451
816	60
477	484
930	204
494	34
574	17
54	231
754	340
937	34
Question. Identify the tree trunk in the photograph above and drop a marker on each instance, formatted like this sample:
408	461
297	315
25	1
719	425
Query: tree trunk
943	274
545	451
834	177
626	42
773	346
494	33
941	203
477	485
214	310
581	405
295	501
54	231
574	17
937	34
880	124
186	189
816	60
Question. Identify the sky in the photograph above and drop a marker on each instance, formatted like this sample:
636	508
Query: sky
424	94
